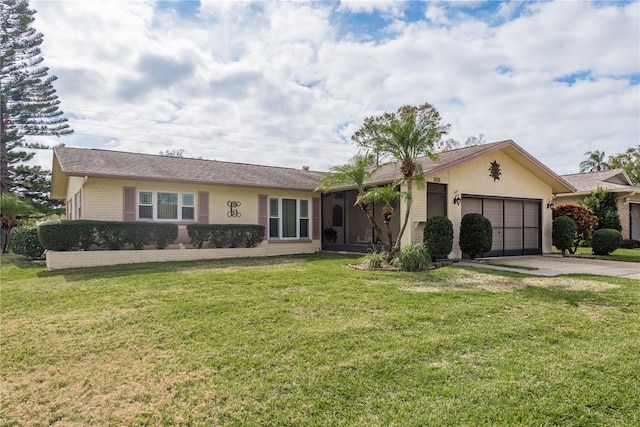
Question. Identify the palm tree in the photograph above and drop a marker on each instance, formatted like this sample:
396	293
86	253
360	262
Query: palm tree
387	194
594	162
355	173
409	133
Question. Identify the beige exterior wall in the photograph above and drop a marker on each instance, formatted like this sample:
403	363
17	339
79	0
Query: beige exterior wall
473	178
103	199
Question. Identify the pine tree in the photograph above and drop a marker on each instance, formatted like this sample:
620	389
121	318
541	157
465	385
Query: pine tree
28	100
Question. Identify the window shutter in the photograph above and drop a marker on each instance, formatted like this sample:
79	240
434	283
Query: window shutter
315	225
203	207
263	215
129	213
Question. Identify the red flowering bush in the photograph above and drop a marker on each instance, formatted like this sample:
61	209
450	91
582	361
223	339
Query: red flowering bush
584	218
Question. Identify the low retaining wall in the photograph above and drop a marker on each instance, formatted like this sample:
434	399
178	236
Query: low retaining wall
79	259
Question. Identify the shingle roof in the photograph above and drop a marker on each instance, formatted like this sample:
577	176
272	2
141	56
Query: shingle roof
612	180
448	159
117	164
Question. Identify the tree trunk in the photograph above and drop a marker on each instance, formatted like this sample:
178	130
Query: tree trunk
407	213
366	207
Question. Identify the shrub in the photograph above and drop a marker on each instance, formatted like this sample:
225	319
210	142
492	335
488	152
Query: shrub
605	241
225	235
476	234
584	218
605	207
163	234
112	235
438	236
563	233
374	259
630	244
63	235
330	235
413	258
24	241
67	235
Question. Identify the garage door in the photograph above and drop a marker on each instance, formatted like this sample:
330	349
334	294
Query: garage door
516	223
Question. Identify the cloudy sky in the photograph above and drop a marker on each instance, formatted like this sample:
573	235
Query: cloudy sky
288	83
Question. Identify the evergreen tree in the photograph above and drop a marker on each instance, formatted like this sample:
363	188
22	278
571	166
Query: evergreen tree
28	101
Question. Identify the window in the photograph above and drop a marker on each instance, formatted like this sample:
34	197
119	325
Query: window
145	205
288	218
304	218
188	206
436	199
161	205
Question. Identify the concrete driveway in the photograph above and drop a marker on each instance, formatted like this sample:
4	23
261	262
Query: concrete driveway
553	265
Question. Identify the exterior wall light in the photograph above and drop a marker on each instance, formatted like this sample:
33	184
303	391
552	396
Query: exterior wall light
457	199
550	205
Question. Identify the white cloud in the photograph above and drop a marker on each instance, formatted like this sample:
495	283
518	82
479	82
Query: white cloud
279	82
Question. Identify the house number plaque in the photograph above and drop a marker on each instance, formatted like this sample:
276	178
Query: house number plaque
233	211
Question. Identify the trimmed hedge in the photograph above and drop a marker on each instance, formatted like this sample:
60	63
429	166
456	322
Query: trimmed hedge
438	236
225	235
67	235
630	244
476	234
563	233
24	241
605	241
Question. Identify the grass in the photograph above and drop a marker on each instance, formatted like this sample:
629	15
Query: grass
628	255
306	341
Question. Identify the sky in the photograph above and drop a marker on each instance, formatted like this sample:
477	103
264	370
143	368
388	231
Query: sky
288	83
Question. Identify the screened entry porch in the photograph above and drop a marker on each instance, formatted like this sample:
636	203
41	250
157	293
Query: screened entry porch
346	227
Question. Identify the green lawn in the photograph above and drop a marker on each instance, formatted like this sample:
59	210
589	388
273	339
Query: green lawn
629	255
308	341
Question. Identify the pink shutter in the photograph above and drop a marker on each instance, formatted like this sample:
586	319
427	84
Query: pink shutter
203	207
315	209
263	215
129	212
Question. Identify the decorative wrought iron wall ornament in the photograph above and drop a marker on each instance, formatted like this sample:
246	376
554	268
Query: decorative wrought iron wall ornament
494	170
233	212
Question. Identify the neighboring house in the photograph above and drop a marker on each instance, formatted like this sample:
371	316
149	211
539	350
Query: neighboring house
615	181
119	186
500	180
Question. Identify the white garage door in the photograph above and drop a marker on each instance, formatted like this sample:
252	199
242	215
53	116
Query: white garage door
517	228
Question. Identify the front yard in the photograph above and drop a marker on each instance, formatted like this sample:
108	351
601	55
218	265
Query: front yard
306	341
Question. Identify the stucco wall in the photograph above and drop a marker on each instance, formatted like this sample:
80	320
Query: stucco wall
103	199
473	178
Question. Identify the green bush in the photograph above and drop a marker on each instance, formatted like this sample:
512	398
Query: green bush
113	235
413	258
438	236
67	235
374	259
225	235
24	241
605	241
476	235
163	234
563	233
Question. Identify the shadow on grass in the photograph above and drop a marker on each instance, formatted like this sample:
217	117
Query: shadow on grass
124	270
